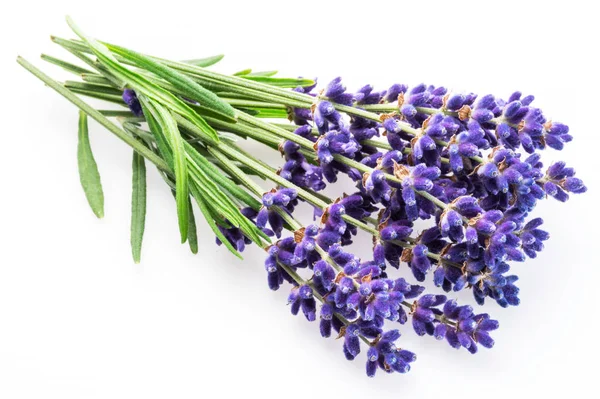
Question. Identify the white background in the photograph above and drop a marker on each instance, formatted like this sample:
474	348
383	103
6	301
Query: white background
79	320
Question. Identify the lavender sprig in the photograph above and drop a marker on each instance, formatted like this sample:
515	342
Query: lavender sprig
470	164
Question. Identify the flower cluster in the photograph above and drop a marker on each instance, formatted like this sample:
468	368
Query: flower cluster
357	297
454	159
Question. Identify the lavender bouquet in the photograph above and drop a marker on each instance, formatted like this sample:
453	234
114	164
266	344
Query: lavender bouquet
469	164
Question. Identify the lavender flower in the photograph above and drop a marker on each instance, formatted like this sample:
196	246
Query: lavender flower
560	179
130	98
386	356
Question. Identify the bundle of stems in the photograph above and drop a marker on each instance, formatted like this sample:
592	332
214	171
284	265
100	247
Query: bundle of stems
418	154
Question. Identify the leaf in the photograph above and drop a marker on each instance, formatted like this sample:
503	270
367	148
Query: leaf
205	62
250	111
159	137
263	73
190	88
141	84
193	232
70	84
67	66
211	222
290	83
193	129
215	198
100	96
220	179
168	127
88	170
222	207
243	72
270	113
132	128
138	205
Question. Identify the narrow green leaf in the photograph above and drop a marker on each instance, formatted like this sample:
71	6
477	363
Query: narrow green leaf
70	84
270	113
130	127
100	96
193	232
263	73
213	195
243	72
138	205
88	170
205	62
196	131
223	181
250	111
189	87
285	83
159	138
236	95
168	126
95	78
67	66
220	201
211	222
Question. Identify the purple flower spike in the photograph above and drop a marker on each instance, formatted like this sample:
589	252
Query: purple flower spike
281	197
451	225
377	187
386	356
336	92
351	340
560	180
419	262
395	231
394	91
424	313
325	323
302	298
456	102
468	329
